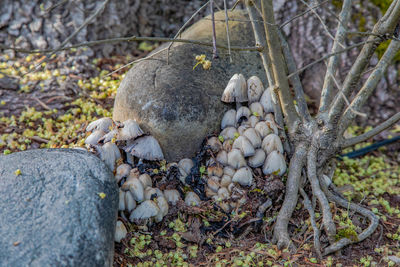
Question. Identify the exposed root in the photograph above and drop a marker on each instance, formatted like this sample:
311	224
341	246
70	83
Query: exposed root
374	220
281	235
307	204
327	218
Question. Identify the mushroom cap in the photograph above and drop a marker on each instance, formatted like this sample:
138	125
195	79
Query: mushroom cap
185	166
135	186
130	130
229	133
192	199
236	90
245	146
253	120
243	114
257	109
145	179
213	183
229	171
215	144
172	196
120	232
229	119
236	159
130	203
145	210
258	159
272	142
243	176
145	147
274	164
122	171
223	193
253	136
109	153
263	129
255	89
215	170
225	180
266	101
222	157
94	137
103	124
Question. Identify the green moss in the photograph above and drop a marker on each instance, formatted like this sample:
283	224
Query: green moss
382	4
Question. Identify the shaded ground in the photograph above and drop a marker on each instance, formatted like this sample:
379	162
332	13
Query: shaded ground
51	108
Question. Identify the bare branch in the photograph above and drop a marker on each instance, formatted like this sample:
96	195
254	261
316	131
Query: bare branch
295	80
136	39
227	31
184	26
296	164
371	133
278	67
327	89
369	86
308	205
327	218
214	37
385	25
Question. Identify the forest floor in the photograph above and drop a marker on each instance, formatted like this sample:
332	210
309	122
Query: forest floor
51	108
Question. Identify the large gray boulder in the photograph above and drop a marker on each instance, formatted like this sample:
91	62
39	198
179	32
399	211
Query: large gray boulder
52	213
181	106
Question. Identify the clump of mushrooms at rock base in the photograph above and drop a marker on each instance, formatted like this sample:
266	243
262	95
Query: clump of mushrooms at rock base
248	139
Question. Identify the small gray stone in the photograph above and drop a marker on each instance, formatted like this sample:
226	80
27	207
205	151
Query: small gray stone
180	106
61	210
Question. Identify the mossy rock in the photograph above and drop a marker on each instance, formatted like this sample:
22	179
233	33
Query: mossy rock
180	105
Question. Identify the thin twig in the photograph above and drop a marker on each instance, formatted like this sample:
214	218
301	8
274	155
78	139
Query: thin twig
214	37
371	133
227	31
184	26
327	88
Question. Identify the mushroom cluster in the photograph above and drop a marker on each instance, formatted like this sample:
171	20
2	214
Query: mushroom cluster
249	139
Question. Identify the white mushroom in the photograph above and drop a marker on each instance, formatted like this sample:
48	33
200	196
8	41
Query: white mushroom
236	159
215	170
135	187
213	183
209	192
258	159
163	206
243	128
122	171
243	114
145	179
121	202
130	203
263	129
273	126
266	101
192	199
257	109
214	144
272	142
103	124
94	137
172	196
222	157
229	119
243	176
253	136
150	192
109	153
225	180
274	164
145	147
255	89
130	130
145	210
110	136
229	171
120	231
229	133
236	90
244	145
223	193
253	120
185	165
